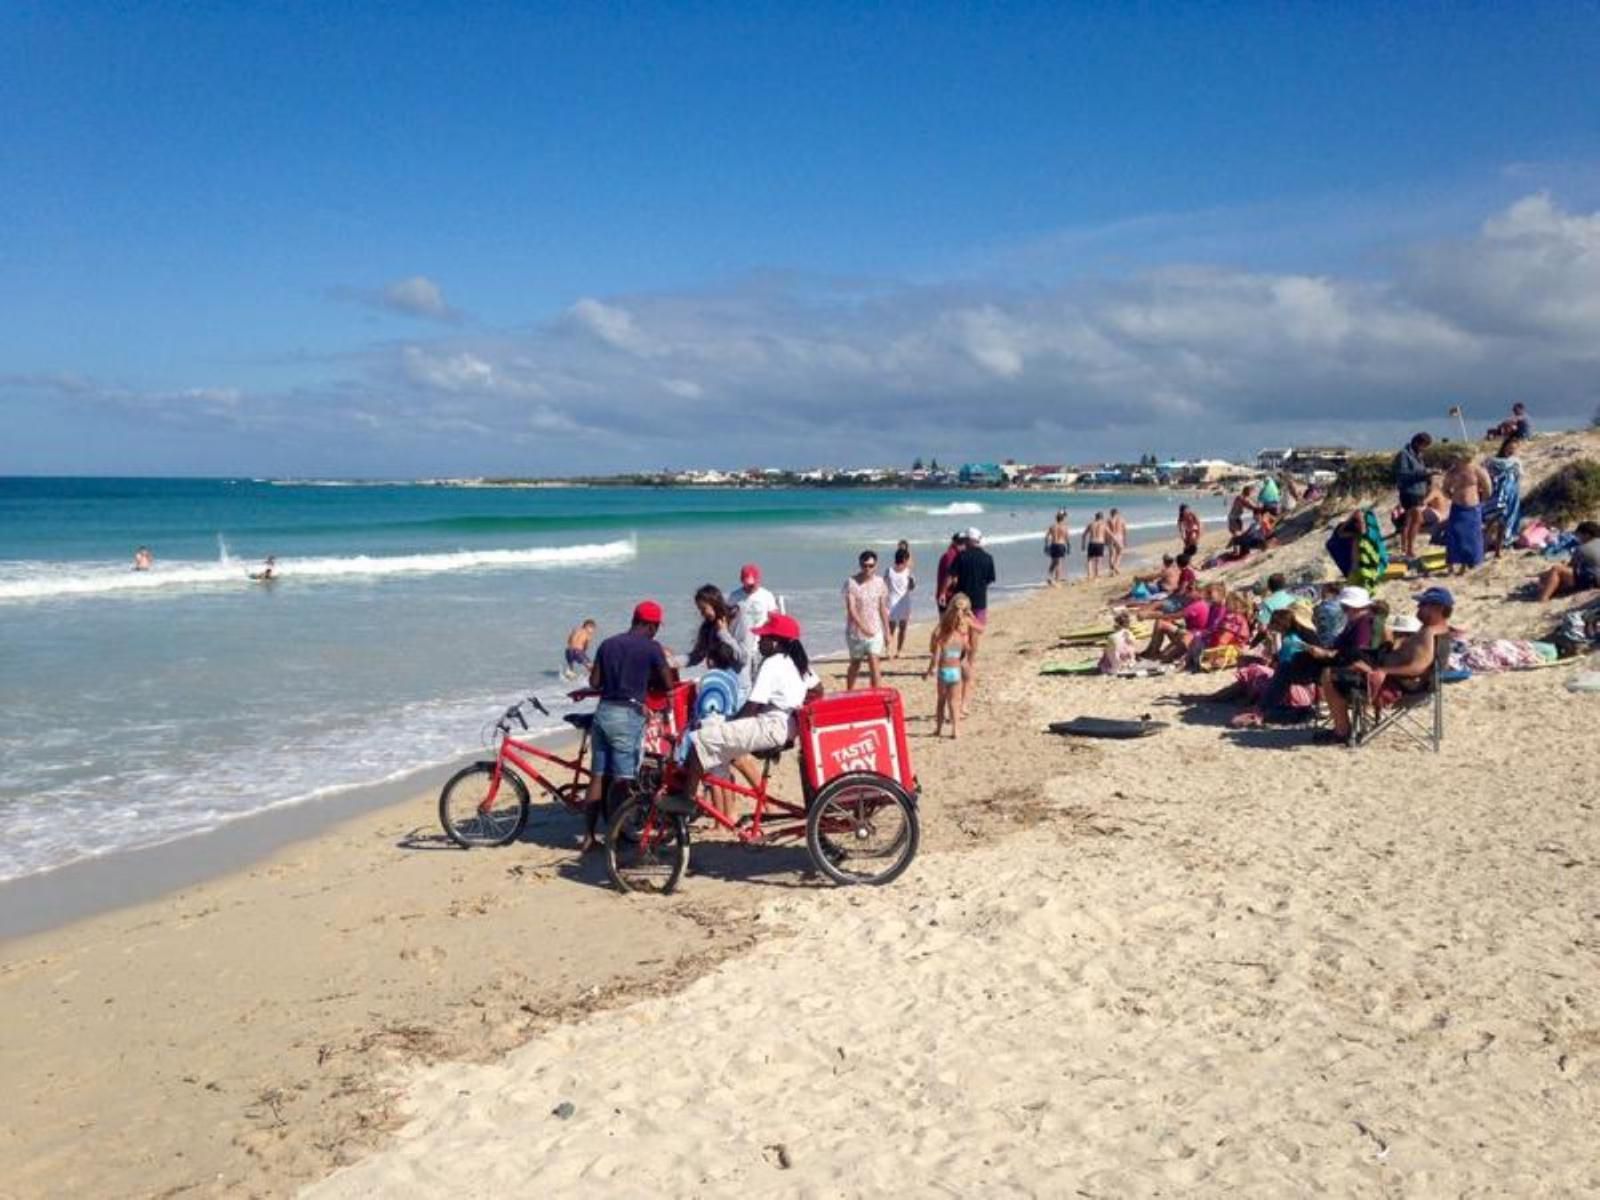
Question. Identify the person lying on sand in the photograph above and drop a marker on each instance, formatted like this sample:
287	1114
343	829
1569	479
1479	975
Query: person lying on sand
1579	573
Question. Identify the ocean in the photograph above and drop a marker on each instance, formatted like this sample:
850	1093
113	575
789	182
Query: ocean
140	707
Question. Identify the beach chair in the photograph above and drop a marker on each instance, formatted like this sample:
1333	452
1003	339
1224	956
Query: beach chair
1418	718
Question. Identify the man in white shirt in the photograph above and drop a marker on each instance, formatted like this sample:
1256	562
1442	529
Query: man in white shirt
752	604
767	720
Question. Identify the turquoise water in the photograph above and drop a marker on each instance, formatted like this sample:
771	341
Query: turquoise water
136	707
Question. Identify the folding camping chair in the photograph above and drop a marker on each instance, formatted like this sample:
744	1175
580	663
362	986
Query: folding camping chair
1418	717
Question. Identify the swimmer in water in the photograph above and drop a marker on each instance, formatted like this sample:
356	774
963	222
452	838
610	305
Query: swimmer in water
143	559
268	571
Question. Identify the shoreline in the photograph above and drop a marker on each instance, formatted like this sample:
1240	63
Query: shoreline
125	878
258	1031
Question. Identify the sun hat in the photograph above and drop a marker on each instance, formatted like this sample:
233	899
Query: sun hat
1437	595
647	612
1355	597
974	534
779	625
1404	624
750	575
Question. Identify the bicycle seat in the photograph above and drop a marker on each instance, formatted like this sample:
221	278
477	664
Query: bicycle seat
775	753
579	720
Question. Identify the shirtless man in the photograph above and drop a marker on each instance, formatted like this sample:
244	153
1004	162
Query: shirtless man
1116	540
1057	544
1095	534
1468	485
1408	667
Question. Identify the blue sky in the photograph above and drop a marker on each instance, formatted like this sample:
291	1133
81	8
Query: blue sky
406	239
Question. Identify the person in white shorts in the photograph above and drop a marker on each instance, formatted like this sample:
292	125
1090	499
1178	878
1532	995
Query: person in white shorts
767	720
866	619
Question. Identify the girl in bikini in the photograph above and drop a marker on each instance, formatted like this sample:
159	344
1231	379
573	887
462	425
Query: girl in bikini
948	650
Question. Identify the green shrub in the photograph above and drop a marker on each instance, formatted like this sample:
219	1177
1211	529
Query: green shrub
1572	494
1441	456
1366	473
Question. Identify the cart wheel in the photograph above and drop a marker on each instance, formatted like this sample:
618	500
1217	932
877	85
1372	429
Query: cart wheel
862	829
647	850
468	815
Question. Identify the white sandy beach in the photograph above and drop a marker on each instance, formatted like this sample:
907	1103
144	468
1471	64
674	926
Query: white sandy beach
1208	962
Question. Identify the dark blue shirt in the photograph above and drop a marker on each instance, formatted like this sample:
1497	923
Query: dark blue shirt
631	664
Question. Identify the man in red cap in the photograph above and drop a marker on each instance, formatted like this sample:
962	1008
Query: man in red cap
752	604
766	722
626	669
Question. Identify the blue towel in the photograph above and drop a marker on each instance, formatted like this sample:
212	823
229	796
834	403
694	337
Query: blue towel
1463	535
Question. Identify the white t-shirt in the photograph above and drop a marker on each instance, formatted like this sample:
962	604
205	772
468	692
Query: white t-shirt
780	684
755	606
898	581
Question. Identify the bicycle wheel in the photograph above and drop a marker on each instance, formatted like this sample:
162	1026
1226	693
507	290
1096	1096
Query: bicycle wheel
862	828
471	818
647	850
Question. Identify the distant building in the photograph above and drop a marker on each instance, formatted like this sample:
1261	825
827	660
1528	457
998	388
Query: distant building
1305	459
1274	459
982	474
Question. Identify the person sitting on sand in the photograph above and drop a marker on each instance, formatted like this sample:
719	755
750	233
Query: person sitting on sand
1404	670
1172	636
1278	596
143	560
1271	496
1327	614
1121	651
947	654
1579	573
1517	425
1259	536
765	722
1162	582
1293	663
577	655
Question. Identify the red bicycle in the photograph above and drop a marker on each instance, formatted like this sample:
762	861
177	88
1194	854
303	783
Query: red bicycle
859	819
486	804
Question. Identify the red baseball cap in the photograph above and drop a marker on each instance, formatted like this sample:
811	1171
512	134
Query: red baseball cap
779	625
749	574
647	612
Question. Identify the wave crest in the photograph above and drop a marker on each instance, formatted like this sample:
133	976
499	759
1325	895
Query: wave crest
956	508
45	581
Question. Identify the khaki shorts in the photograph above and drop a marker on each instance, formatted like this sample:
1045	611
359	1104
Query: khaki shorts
718	743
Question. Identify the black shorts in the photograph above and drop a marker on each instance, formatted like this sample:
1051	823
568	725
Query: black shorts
1097	550
1408	503
1056	550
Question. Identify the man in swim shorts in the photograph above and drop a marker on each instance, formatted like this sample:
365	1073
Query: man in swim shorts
1095	535
1057	543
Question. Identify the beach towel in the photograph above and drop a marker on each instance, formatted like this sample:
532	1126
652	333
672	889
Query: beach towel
1505	501
1372	555
1463	535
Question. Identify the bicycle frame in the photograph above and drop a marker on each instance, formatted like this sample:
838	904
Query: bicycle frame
508	753
792	816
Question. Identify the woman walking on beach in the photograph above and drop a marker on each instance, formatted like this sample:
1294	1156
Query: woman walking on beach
900	582
948	650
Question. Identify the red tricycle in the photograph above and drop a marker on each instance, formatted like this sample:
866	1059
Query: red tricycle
858	819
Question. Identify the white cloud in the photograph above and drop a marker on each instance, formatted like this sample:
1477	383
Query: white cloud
1182	357
419	296
414	296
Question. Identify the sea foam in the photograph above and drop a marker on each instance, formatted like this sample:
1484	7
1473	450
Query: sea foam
46	581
